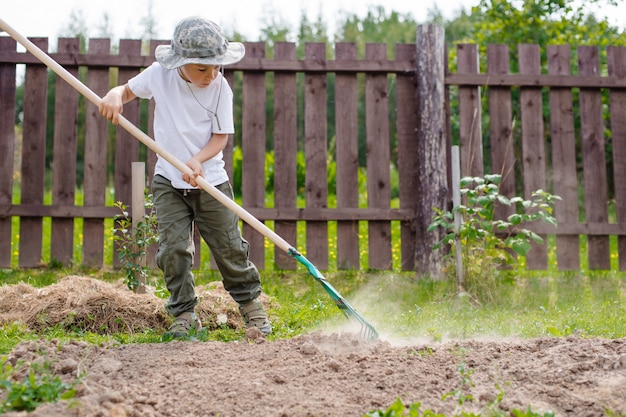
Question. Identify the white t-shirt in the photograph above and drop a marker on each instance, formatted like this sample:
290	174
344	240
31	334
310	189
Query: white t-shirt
182	123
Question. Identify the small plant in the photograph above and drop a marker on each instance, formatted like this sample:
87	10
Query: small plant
611	413
489	244
530	413
493	408
398	409
461	393
134	241
37	388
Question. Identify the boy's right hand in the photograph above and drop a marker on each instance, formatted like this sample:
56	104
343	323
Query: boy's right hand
112	104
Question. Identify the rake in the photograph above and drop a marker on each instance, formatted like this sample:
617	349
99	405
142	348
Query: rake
367	331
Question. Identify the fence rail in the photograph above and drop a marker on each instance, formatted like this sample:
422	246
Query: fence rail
544	126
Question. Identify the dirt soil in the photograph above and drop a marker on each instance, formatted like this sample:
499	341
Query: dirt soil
317	374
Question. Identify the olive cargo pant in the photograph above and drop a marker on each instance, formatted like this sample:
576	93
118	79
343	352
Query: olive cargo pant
177	211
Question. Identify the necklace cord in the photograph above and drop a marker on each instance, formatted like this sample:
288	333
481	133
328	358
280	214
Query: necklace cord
219	95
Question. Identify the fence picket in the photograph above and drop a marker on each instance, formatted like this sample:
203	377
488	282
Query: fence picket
33	158
408	166
501	127
253	147
617	102
95	166
64	158
533	149
285	151
470	114
126	146
594	161
564	176
7	148
315	151
346	96
378	159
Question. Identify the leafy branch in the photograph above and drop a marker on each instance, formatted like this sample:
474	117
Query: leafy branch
135	241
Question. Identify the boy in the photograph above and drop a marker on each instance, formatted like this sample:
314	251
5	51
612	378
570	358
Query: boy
193	118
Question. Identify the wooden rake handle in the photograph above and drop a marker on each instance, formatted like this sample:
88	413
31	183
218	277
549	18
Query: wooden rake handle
147	140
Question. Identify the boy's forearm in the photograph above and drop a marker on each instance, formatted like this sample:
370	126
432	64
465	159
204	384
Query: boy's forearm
213	147
124	92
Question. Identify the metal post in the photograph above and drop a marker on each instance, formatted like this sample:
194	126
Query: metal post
456	202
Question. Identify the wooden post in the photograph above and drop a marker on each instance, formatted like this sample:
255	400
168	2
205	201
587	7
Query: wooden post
138	211
431	148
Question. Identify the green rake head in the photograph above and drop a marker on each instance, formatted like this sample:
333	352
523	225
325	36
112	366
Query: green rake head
367	332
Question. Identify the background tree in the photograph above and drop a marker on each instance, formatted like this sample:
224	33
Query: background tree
543	22
377	27
149	25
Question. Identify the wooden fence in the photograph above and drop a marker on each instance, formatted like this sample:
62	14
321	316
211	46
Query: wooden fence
537	151
572	149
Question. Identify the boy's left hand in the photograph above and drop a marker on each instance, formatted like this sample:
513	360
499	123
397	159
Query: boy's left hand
196	167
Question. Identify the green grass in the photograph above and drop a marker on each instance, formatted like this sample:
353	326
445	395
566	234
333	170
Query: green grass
592	305
400	307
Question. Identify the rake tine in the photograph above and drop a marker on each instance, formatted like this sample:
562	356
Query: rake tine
367	330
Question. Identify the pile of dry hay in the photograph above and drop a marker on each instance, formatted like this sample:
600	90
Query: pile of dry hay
90	305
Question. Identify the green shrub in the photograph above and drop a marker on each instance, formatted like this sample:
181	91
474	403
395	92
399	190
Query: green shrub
134	242
490	245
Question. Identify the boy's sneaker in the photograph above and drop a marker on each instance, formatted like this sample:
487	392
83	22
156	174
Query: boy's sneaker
182	325
254	315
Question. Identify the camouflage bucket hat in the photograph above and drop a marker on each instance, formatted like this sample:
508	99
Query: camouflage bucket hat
198	41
